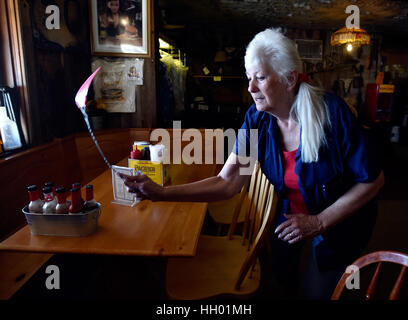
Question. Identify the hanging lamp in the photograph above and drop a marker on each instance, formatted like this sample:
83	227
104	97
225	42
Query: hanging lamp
351	37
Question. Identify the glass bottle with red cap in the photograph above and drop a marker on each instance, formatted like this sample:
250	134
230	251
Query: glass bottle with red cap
136	154
77	185
50	203
36	204
90	202
62	205
76	204
52	186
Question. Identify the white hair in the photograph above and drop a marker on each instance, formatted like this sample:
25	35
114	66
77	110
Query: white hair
272	49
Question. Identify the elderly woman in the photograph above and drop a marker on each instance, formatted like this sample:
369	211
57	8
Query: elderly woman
312	149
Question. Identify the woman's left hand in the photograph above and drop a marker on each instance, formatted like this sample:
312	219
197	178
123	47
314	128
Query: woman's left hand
299	227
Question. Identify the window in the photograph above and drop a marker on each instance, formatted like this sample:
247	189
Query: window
12	60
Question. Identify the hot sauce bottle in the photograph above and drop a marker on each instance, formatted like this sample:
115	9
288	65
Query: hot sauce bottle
62	205
51	185
77	185
76	204
50	203
36	204
136	154
90	202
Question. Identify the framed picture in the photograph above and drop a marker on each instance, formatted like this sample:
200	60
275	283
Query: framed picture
120	27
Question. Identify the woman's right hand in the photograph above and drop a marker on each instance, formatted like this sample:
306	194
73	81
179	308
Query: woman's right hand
143	187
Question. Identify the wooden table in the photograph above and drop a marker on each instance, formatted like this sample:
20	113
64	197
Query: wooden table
148	229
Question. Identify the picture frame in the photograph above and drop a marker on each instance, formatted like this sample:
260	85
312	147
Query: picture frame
120	27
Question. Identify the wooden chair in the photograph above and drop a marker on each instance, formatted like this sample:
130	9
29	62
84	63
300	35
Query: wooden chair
227	266
376	257
223	211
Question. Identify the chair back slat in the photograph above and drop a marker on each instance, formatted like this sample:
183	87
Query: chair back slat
248	200
397	286
241	203
263	193
252	200
265	198
254	207
250	259
373	282
262	206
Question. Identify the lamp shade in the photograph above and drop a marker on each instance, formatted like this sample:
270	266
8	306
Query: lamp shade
350	35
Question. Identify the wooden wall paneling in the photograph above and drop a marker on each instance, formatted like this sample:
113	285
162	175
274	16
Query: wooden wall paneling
148	95
148	90
51	87
139	134
114	144
137	117
69	164
35	166
117	144
75	70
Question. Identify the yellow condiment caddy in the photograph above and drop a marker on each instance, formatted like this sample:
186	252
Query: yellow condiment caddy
157	171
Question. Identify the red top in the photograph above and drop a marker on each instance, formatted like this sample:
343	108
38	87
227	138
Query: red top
292	191
61	198
34	195
76	205
136	154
